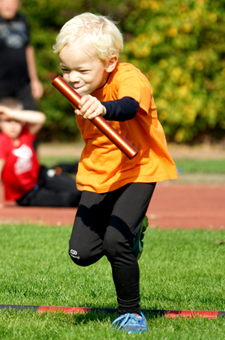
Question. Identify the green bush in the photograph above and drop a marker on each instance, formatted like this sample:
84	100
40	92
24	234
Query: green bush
178	44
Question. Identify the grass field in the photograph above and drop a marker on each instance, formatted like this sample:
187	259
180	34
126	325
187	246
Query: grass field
216	166
179	270
205	166
53	160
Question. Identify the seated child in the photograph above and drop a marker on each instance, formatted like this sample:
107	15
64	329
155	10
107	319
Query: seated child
24	179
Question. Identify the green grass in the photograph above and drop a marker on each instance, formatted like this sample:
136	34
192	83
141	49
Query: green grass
53	160
216	166
179	270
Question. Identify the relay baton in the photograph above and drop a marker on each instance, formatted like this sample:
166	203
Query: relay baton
129	150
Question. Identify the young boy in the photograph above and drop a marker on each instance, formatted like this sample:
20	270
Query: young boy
116	191
24	180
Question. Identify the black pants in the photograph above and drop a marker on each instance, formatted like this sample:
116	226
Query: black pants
105	224
55	191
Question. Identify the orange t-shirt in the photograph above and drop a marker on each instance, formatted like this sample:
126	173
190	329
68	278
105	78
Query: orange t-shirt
103	167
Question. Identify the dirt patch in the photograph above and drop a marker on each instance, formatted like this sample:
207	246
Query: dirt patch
181	206
203	151
192	201
60	149
200	178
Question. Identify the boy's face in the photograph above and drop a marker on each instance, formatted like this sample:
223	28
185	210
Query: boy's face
11	128
84	73
9	8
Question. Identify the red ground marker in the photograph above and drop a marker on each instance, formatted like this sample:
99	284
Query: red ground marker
83	310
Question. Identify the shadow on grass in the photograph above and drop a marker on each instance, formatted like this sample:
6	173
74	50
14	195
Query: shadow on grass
110	315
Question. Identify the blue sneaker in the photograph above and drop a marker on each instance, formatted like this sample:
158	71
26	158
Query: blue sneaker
138	239
131	323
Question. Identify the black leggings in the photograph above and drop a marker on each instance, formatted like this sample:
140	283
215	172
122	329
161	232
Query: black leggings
55	191
105	224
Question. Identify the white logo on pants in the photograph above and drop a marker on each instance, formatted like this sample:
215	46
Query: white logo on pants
73	253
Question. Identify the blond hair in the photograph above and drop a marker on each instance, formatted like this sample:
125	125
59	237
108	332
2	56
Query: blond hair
92	31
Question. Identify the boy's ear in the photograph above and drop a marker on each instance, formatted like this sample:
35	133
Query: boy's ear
112	63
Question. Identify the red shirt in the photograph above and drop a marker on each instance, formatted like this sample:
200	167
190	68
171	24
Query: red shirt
21	169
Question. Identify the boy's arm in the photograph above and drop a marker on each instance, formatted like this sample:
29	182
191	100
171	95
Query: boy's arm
36	86
34	119
118	110
121	109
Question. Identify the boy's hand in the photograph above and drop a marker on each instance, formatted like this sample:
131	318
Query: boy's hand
90	107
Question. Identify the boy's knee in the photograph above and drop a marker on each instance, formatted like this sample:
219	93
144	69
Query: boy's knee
80	257
77	257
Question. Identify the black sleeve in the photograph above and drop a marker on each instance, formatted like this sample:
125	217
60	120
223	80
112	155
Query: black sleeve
121	109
